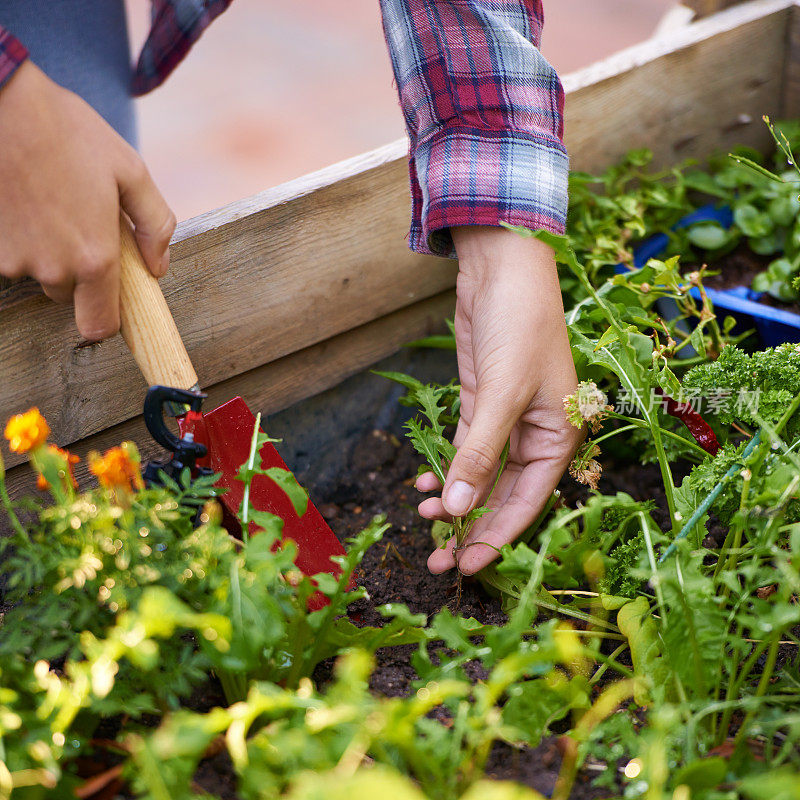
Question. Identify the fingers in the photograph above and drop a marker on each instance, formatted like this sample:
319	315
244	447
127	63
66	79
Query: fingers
432	508
521	495
152	218
441	559
475	464
96	298
428	482
59	291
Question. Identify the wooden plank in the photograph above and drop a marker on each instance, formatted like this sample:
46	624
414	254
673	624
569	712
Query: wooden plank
683	96
791	76
704	8
278	385
676	17
249	284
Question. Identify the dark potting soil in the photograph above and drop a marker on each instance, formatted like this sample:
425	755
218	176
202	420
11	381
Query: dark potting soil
738	268
383	470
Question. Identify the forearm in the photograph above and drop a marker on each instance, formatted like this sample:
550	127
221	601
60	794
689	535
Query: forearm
484	111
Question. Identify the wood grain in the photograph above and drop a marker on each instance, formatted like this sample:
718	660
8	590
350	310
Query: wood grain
684	96
705	7
248	285
791	75
280	384
146	323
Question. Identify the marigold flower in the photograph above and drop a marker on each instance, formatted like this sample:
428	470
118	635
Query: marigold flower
27	431
118	468
69	459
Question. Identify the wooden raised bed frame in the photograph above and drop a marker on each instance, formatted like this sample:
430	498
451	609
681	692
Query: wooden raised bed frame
285	294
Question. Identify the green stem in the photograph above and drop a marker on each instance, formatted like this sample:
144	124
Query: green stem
735	685
569	612
728	707
666	472
766	676
738	528
250	463
610	661
638	423
8	506
710	498
716	728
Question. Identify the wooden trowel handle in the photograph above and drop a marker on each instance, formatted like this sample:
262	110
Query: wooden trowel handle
146	322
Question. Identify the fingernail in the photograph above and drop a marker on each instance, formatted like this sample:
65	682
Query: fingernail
459	498
165	263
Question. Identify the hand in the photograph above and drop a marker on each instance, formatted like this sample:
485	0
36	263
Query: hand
516	367
64	175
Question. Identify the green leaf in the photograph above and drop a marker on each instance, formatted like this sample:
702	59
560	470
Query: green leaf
290	487
762	282
426	443
777	784
783	210
767	245
534	705
439	342
703	182
364	784
708	235
399	377
756	168
702	774
500	790
751	221
271	523
780	269
636	624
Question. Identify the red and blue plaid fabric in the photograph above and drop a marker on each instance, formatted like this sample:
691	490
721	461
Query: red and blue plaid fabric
12	54
484	112
483	108
176	26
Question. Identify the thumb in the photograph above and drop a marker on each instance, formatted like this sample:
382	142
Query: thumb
476	462
152	218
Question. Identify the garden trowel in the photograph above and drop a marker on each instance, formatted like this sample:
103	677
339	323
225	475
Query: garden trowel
216	441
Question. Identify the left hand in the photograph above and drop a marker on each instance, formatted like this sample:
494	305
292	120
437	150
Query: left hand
515	365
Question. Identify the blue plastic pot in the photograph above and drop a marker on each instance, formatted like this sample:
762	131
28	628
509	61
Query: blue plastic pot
773	325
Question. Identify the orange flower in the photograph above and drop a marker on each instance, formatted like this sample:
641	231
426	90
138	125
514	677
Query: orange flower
118	468
69	460
26	431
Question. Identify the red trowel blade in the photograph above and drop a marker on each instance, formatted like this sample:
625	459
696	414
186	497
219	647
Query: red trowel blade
227	432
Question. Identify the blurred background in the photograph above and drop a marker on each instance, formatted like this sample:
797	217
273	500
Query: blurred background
275	89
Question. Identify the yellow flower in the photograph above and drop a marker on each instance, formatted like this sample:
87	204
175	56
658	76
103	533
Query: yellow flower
118	468
27	431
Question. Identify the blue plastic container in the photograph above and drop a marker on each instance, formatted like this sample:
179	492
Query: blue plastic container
773	325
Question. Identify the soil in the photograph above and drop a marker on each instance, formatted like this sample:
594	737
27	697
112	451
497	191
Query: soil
383	469
395	570
738	268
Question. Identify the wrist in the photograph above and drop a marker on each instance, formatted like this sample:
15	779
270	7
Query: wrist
488	252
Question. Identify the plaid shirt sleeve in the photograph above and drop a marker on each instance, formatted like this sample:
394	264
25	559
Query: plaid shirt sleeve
484	113
176	26
12	54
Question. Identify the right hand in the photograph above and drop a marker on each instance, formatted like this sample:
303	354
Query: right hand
64	175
